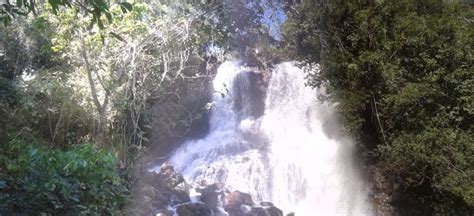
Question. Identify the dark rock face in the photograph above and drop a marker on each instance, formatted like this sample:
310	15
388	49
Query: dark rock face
250	88
194	209
273	211
236	199
241	204
212	195
167	177
183	114
155	191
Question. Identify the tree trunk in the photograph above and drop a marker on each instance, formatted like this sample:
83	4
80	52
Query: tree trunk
99	135
102	109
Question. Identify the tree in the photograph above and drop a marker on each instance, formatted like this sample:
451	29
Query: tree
402	74
95	8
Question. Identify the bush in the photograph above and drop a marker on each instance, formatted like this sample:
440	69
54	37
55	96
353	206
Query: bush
80	180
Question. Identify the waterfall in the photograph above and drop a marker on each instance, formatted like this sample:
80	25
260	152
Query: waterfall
276	144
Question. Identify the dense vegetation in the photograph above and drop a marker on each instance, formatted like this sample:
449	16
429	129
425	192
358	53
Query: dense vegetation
81	180
402	73
86	87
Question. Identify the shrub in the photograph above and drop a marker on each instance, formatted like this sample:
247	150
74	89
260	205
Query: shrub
80	180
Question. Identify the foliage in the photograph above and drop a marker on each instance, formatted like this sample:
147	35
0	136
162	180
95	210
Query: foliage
94	8
80	180
235	26
38	93
403	77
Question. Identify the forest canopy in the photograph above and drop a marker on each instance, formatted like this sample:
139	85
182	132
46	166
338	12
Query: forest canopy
402	74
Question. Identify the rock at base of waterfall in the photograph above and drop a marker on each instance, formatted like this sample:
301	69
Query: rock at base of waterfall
236	199
193	209
266	211
168	178
155	192
241	204
213	195
171	185
165	213
273	211
166	193
270	209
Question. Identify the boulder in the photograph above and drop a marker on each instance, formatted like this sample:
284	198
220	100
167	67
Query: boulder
167	178
268	210
258	211
156	191
193	209
171	184
212	195
237	203
236	199
273	211
246	209
266	204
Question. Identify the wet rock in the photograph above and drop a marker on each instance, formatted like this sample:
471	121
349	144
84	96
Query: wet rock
178	197
237	203
266	204
290	214
154	192
162	199
168	178
212	195
236	199
246	209
172	185
164	213
258	211
194	209
273	211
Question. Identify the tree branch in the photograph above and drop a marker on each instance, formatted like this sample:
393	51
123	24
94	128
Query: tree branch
88	68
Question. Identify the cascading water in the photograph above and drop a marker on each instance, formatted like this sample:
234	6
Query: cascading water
281	153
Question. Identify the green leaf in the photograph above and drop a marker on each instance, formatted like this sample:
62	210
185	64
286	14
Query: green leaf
109	16
101	25
6	20
125	6
54	5
19	3
50	186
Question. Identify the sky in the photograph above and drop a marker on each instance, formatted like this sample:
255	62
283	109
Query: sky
274	18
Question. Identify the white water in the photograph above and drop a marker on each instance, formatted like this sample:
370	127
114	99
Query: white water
283	156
